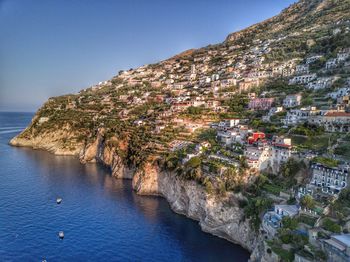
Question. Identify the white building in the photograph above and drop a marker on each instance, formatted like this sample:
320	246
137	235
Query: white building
281	151
302	69
43	119
258	157
228	137
331	63
272	111
272	220
312	59
296	116
333	121
292	100
321	83
339	93
341	57
329	180
303	79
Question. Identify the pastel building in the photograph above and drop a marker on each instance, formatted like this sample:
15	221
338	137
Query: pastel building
260	103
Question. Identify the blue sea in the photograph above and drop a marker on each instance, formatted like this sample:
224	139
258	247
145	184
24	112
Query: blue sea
102	218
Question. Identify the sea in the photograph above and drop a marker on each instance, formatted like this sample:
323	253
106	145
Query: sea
101	217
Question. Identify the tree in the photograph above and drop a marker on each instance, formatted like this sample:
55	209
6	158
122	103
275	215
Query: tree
307	202
238	103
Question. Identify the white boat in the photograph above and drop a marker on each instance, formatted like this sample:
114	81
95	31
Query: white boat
58	200
61	234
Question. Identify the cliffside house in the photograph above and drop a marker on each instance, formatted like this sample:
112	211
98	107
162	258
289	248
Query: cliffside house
281	150
272	111
313	59
333	121
330	180
248	84
331	64
303	79
321	83
292	100
43	119
272	220
302	69
337	248
296	116
339	93
178	144
258	156
261	103
227	137
343	56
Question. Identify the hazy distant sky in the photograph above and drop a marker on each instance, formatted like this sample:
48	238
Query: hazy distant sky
54	47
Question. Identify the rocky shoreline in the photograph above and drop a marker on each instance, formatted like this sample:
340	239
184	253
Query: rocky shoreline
221	217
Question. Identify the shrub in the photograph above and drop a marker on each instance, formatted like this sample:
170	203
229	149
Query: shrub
330	225
194	162
290	223
326	161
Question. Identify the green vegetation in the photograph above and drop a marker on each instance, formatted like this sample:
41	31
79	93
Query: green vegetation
314	143
194	110
273	189
281	86
308	130
254	208
239	103
137	152
289	170
343	150
307	220
330	162
308	202
340	209
290	223
330	225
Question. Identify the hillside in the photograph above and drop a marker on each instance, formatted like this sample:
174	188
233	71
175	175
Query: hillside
228	129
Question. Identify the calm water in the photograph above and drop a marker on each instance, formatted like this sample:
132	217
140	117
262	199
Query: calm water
102	218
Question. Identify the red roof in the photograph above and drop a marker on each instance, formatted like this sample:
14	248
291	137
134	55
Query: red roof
337	114
282	145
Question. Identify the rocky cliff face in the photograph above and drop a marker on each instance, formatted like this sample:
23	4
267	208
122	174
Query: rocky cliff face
51	142
219	216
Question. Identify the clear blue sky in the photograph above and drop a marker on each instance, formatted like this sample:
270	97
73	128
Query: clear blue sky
54	47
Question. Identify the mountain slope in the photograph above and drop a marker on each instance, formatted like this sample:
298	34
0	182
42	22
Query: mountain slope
159	124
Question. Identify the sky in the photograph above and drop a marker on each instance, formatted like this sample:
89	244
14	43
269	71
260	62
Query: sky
56	47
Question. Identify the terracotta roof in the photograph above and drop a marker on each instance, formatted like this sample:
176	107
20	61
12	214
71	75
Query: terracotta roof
337	114
282	145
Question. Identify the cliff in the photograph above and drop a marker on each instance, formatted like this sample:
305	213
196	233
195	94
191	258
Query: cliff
220	216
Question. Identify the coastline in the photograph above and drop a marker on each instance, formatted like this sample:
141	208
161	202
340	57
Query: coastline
220	217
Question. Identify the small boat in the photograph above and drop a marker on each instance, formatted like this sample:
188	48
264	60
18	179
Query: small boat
61	234
59	200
